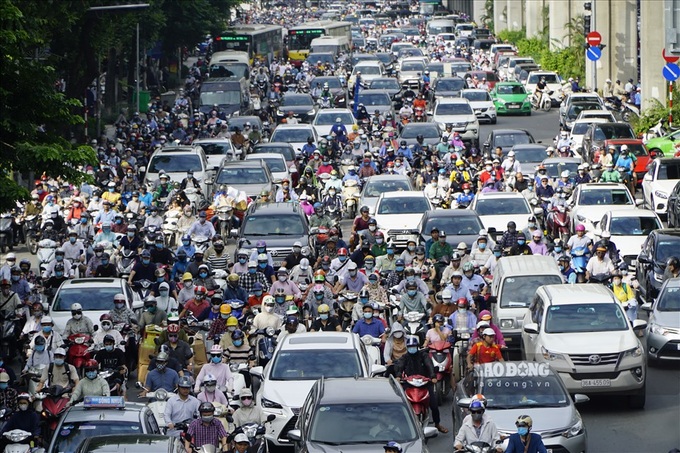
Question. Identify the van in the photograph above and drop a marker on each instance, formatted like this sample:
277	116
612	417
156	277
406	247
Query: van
437	26
231	96
230	64
336	45
515	281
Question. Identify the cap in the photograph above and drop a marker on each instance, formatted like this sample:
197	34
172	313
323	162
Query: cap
60	351
490	332
241	438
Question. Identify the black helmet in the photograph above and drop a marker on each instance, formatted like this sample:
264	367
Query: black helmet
206	408
512	225
402	143
438	318
420	137
108	339
412	340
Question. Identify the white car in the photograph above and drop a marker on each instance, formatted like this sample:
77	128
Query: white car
628	228
217	150
599	114
370	70
589	201
481	104
399	213
411	69
299	360
496	209
459	114
662	175
553	83
276	163
325	119
578	131
295	134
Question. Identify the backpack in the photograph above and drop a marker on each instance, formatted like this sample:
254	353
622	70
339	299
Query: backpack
68	374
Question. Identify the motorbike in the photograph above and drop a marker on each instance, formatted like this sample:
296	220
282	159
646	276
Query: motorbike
440	353
32	377
200	242
579	260
46	251
32	233
150	234
79	351
130	338
157	401
266	342
8	328
344	307
419	115
480	447
413	324
6	232
324	102
351	194
461	342
372	348
143	288
54	404
418	395
170	229
626	110
558	223
544	103
255	433
225	216
125	263
20	442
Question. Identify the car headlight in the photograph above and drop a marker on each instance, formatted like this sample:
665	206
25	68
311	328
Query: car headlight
269	404
311	112
635	352
657	329
507	323
552	356
500	100
660	194
575	429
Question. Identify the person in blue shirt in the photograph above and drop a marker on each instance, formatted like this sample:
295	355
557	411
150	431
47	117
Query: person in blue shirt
187	247
339	130
181	265
351	174
524	441
625	160
309	147
145	196
368	325
405	151
568	274
162	376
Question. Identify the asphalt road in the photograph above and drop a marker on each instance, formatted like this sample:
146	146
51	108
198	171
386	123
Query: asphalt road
612	427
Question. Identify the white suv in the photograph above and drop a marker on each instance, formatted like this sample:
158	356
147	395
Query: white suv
459	114
299	360
584	334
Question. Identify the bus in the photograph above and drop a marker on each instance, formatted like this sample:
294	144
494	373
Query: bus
300	37
262	42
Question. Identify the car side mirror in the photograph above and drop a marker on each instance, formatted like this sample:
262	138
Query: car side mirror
644	259
377	369
580	398
639	324
646	307
430	432
257	371
295	435
531	328
271	417
648	177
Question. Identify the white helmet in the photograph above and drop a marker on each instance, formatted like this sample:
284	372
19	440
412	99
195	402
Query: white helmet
511	154
565	174
76	306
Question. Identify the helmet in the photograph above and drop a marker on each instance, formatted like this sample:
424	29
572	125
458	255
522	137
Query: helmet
476	406
412	340
162	357
606	234
76	307
343	252
109	339
580	227
438	318
292	321
91	364
206	408
324	308
24	396
467	267
512	225
184	382
489	332
209	379
482	325
216	349
232	321
225	309
463	303
237	334
524	420
233	277
105	317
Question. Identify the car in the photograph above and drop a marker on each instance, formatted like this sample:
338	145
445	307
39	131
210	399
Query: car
512	389
600	114
430	132
589	201
663	330
95	295
662	176
370	70
459	67
407	52
376	185
217	150
636	148
510	98
396	47
151	443
554	166
673	207
298	361
446	87
529	156
584	334
335	86
579	129
175	161
252	177
280	224
389	84
572	113
341	415
507	138
325	119
99	416
460	225
666	144
553	83
276	164
651	262
598	133
326	58
375	100
523	70
286	150
388	60
301	104
361	57
628	228
509	71
240	122
588	101
496	209
458	113
397	213
481	104
294	134
411	71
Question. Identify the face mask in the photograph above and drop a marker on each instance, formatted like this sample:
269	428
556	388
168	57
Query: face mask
532	225
160	366
47	329
488	168
98	254
283	278
78	316
558	248
462	311
146	260
372	227
477	417
399	268
59	362
207	418
380	241
210	388
411	278
260	250
40	348
216	359
262	265
280	300
369	265
203	274
520	242
268	309
522	430
159	245
323	316
368	315
109	347
246	401
411	292
616	281
186	243
353	273
83	221
72	240
131	234
15	278
411	248
497	254
242	260
3	385
151	309
325	267
60	257
412	350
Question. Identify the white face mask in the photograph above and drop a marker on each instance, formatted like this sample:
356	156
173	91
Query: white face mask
268	308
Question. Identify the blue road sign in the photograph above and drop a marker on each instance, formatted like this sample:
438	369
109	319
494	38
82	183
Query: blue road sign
593	53
671	72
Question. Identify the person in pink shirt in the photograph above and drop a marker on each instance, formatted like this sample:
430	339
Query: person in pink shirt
485	315
439	332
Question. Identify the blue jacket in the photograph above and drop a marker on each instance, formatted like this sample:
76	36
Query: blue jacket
515	444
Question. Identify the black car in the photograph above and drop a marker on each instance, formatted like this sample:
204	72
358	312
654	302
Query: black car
460	225
446	87
673	207
391	85
302	105
598	133
336	87
429	131
568	117
388	60
506	139
651	262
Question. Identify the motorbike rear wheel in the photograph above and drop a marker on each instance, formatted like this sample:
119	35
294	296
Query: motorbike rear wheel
440	388
546	105
32	244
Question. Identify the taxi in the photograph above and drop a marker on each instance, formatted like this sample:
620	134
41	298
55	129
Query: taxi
99	416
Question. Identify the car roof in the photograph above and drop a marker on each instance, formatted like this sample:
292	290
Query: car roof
596	112
666	160
673	282
555	160
319	340
624	141
243	164
500	195
667	232
449	100
404	194
278	207
296	95
79	413
272	145
509	82
450	213
509	131
359	390
294	126
602	185
265	156
520	147
92	282
178	150
473	90
591	293
631	213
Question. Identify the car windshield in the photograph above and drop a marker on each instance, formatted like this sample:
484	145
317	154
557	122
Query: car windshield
367	69
279	225
502	206
592	197
333	82
92	298
173	163
669	300
240	122
669	171
555	169
576	109
460	67
633	226
512	392
291	135
510	89
384	84
328	119
287	153
297	100
310	365
435	67
580	128
585	318
406	205
385	58
518	291
454	225
214	149
549	78
275	165
325	58
375	99
530	154
666	248
239	176
375	188
410	52
427	131
453	109
612	131
357	423
72	434
510	140
413	66
230	70
220	97
450	84
476	96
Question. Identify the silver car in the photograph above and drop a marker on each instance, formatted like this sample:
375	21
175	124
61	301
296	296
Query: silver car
663	330
376	185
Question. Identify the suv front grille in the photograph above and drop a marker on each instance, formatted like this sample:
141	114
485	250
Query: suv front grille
283	435
280	253
670	349
580	376
594	359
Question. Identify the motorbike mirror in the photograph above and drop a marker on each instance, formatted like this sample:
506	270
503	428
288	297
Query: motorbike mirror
96	327
229	418
271	417
234	232
464	402
191	340
138	385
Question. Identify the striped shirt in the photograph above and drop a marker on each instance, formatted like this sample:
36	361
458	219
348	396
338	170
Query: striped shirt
218	262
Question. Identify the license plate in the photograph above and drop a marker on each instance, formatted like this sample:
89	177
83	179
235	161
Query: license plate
513	106
403	237
596	383
549	450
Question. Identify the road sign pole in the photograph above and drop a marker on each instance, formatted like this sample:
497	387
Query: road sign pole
670	104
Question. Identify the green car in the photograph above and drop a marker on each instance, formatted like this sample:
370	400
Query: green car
665	144
510	98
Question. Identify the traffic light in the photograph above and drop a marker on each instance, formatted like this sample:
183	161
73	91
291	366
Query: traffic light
586	24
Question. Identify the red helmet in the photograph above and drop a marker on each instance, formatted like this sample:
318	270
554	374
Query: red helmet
465	185
379	234
342	251
463	303
105	317
91	364
173	328
200	290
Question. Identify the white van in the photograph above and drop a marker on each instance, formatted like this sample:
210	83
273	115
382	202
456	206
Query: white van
515	281
437	26
334	44
233	64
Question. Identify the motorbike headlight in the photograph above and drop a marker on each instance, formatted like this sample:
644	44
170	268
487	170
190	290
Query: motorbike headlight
311	112
660	194
507	323
657	329
658	277
575	429
634	352
551	356
269	404
581	218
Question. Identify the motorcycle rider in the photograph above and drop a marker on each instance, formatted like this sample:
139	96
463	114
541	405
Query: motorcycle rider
521	248
161	376
25	418
181	406
368	325
477	427
599	264
485	351
579	239
267	318
59	373
413	300
216	368
524	441
78	323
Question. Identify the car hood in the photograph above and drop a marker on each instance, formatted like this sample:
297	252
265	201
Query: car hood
476	105
582	343
594	213
287	393
512	97
398	221
528	168
411	447
545	418
629	245
664	185
454	119
667	318
251	190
